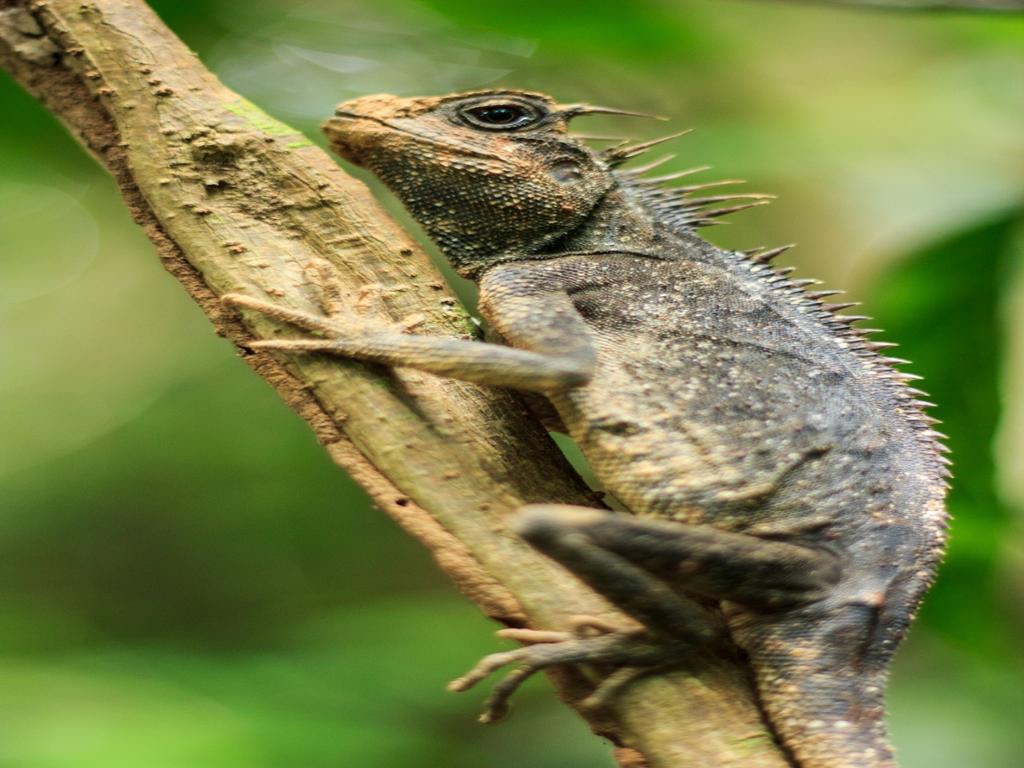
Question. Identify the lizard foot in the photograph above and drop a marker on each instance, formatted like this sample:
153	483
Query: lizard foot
634	652
343	315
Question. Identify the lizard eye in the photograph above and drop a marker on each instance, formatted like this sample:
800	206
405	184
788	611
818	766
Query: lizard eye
500	117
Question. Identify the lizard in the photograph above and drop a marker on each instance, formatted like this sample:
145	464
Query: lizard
773	462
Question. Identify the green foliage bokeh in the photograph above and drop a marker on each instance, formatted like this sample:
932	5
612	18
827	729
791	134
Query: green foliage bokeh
187	580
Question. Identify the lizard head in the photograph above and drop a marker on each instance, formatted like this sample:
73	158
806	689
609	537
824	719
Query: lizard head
488	174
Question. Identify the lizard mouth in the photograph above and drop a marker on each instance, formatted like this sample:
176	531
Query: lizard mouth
344	114
345	138
355	136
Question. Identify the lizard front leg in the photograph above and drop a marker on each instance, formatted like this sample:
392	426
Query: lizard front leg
550	368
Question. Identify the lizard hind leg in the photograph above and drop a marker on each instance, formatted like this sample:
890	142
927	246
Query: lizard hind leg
640	566
564	533
599	546
823	702
673	624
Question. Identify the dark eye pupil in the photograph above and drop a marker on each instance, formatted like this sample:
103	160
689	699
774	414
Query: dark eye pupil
499	115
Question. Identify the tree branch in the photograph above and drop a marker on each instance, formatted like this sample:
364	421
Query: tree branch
234	201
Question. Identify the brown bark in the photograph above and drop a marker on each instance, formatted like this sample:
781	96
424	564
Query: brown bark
236	202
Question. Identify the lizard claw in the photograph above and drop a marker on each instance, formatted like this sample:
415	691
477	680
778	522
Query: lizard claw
533	635
557	648
332	296
613	685
344	315
298	318
585	625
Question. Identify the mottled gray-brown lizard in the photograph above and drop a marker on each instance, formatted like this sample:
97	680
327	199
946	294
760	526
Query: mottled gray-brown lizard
777	466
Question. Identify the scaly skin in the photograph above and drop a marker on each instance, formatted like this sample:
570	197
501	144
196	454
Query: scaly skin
776	464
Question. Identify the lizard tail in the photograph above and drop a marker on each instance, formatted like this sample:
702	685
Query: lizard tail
824	700
826	721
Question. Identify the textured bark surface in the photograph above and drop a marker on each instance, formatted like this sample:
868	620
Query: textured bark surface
236	202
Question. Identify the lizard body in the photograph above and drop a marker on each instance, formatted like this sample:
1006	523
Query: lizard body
777	466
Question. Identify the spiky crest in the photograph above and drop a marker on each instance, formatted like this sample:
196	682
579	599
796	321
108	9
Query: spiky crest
569	111
620	153
766	255
639	170
677	207
842	326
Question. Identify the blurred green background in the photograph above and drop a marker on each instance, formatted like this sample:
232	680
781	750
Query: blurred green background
186	580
